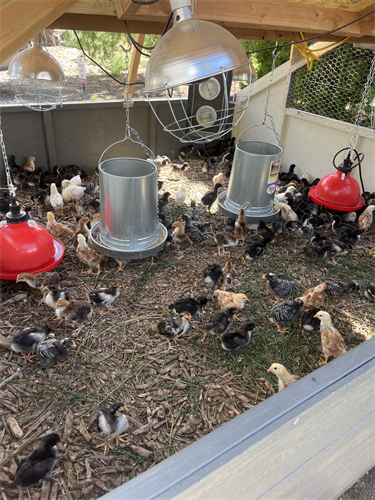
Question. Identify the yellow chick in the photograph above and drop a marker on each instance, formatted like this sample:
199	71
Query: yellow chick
70	192
286	212
56	199
285	378
228	300
180	197
219	178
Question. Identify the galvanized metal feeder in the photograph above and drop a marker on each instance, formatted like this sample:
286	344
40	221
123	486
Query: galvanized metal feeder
128	227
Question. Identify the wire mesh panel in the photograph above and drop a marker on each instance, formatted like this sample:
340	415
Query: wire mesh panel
335	85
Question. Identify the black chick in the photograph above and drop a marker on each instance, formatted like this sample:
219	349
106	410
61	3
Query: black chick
163	201
38	464
341	289
41	199
212	274
206	165
160	185
193	211
193	306
192	231
256	250
230	224
341	228
166	223
219	323
265	232
209	198
26	339
104	296
370	292
235	341
282	313
351	238
111	423
306	231
335	248
185	152
308	322
314	254
279	225
53	351
289	176
292	226
279	287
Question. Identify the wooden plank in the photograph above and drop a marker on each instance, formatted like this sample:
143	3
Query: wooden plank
21	20
350	5
125	7
367	25
134	64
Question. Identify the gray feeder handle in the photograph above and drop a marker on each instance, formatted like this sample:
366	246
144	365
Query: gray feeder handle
277	136
148	151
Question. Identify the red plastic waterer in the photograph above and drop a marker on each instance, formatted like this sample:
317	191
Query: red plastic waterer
25	246
339	190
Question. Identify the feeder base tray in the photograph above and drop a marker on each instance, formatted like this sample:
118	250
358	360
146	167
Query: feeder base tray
250	219
123	254
333	206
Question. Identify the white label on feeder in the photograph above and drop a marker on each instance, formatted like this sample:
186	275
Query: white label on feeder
271	189
81	69
274	171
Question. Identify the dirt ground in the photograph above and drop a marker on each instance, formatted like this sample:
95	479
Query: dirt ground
174	396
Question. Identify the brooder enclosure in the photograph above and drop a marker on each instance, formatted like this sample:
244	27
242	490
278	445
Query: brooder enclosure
176	391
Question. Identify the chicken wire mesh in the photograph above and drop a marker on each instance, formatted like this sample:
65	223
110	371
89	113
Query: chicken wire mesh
335	85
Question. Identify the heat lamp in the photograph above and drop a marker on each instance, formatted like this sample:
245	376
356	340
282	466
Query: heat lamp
26	247
208	60
37	77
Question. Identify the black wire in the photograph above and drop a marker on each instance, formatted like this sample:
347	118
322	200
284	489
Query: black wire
313	37
148	2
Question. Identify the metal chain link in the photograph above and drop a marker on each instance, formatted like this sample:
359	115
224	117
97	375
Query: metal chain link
266	114
11	188
370	79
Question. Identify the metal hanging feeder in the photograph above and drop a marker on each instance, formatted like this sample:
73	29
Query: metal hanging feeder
128	228
254	174
25	245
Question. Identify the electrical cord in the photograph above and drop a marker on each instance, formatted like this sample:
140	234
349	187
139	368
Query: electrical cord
148	2
313	37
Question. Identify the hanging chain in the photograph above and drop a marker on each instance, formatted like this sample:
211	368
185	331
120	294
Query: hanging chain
11	188
370	79
266	114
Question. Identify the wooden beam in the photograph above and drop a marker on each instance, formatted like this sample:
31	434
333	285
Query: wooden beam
21	20
367	25
125	7
134	64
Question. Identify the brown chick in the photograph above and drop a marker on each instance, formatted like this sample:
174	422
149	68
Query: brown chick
366	218
228	300
228	276
180	238
77	312
57	230
226	240
89	256
285	378
332	341
81	229
29	165
240	224
286	212
315	296
39	280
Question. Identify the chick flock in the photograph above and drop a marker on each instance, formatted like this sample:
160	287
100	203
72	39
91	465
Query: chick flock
298	216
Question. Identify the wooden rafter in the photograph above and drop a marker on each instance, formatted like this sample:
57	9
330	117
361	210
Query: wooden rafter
21	20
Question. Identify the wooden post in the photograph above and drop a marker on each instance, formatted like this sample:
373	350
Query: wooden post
133	70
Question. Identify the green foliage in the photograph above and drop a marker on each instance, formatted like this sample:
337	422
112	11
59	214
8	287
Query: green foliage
335	85
105	48
263	60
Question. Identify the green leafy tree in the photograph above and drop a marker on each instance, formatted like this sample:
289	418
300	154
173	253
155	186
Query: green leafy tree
263	60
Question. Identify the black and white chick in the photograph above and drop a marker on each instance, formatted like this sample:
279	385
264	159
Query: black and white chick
219	323
185	152
308	321
174	327
188	304
279	225
235	341
26	340
193	211
212	274
265	232
341	289
192	231
111	424
370	292
52	351
306	230
293	227
280	287
282	313
53	293
256	250
103	297
38	464
314	254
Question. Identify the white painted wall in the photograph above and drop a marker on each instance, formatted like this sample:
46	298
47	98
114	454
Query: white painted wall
309	141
